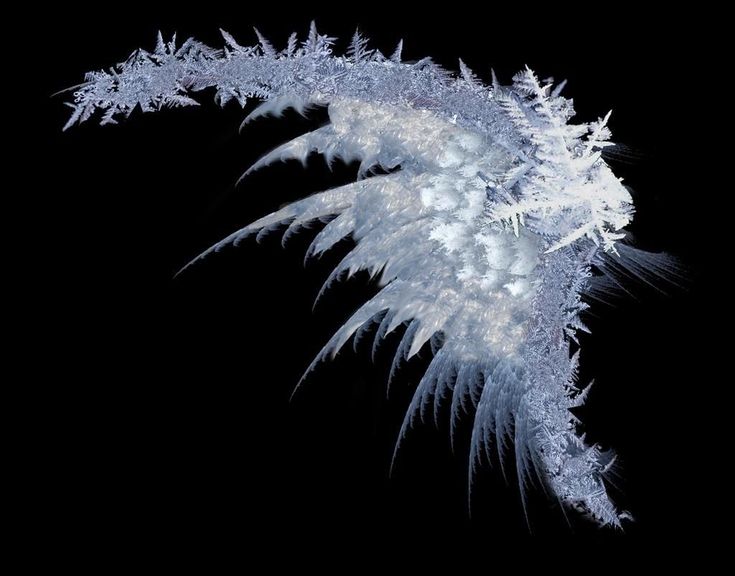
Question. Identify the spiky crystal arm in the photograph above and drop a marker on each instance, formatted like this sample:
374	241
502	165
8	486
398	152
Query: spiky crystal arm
484	236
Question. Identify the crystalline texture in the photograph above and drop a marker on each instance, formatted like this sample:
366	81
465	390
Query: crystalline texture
483	234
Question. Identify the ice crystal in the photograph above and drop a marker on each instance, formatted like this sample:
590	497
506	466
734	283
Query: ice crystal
483	232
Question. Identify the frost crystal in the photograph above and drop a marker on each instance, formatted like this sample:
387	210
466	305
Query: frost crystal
483	233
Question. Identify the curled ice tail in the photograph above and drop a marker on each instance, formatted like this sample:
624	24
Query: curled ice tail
483	233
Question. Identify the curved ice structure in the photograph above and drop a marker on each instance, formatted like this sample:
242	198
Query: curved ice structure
483	233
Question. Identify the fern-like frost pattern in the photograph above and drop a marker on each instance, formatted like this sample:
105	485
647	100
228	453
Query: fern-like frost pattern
483	232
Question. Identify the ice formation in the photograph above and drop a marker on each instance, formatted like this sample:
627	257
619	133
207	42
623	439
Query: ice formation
484	232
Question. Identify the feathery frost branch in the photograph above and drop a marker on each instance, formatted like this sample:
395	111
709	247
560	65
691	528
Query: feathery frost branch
484	232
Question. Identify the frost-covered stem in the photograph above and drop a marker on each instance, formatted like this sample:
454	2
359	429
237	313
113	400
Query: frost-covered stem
166	76
573	469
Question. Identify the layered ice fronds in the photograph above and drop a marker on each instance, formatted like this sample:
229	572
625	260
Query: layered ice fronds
482	233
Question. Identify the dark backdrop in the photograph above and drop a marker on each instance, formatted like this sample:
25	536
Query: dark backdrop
171	413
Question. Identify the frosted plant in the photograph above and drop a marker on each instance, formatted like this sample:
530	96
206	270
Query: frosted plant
484	233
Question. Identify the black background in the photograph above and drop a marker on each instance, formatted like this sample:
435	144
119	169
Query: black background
170	398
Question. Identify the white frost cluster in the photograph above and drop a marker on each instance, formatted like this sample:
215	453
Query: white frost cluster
483	232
